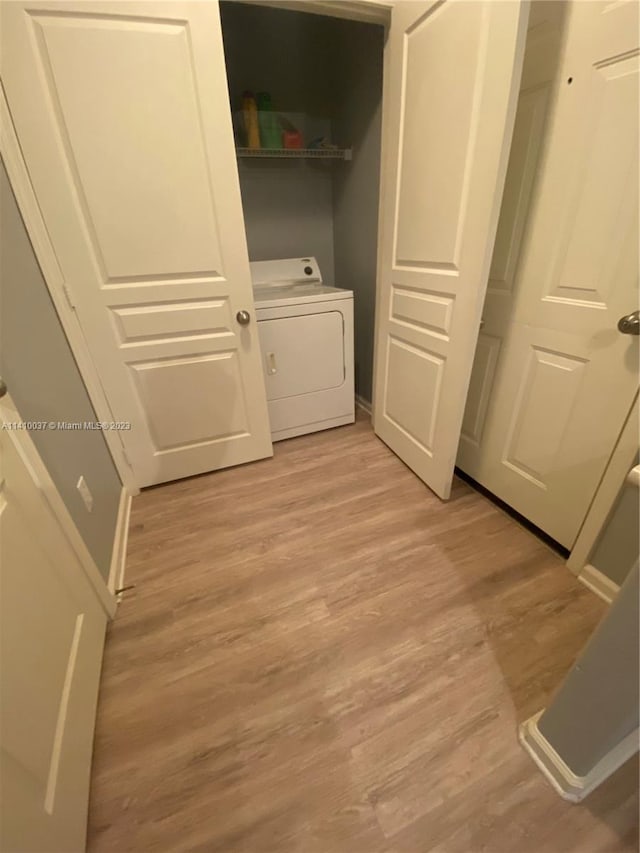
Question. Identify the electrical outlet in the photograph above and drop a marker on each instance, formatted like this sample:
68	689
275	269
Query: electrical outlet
86	495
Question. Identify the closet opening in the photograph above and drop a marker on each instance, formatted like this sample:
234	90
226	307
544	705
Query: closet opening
309	164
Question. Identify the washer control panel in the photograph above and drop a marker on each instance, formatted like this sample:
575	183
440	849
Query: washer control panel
287	271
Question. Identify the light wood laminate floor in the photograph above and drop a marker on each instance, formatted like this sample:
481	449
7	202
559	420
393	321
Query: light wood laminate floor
320	656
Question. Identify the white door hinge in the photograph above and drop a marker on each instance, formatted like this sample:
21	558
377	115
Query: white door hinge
67	293
126	458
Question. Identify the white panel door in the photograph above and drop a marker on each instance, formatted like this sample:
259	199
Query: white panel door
452	73
567	377
51	637
541	58
122	113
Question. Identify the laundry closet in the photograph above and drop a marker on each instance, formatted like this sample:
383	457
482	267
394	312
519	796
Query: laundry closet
130	127
520	422
324	79
152	202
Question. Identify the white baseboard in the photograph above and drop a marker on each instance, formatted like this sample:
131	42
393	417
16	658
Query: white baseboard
365	405
119	553
599	583
570	786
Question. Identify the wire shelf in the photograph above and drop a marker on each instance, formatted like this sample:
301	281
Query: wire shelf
296	153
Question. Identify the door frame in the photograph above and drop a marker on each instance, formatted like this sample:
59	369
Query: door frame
27	451
367	11
620	468
28	205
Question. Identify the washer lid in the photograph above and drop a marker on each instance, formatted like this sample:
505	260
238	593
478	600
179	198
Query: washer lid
287	271
275	296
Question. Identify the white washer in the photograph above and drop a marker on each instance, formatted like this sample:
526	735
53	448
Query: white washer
306	337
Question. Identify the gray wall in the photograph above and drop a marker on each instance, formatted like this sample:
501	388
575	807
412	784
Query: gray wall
280	52
618	548
597	705
356	184
330	69
287	206
45	384
288	211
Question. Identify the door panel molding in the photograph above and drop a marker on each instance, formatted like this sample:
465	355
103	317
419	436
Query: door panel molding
134	167
98	170
440	199
549	432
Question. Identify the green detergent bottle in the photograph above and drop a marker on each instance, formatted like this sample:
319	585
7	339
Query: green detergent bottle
270	130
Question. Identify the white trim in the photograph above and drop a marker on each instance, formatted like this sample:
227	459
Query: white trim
365	405
621	461
119	553
599	583
384	203
570	786
54	279
29	453
367	11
